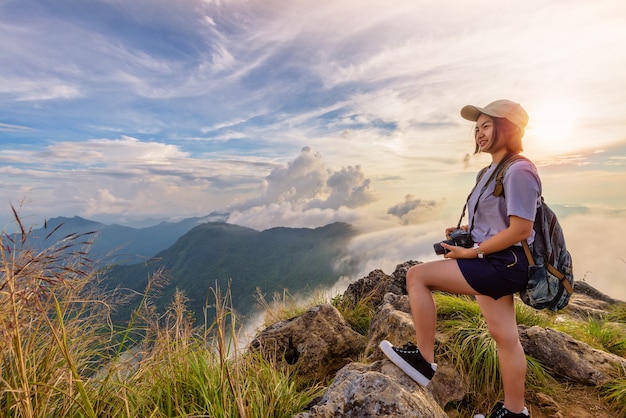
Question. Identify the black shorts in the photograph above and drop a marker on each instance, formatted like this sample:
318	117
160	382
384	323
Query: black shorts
498	274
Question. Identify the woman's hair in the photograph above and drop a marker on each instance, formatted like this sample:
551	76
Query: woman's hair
508	132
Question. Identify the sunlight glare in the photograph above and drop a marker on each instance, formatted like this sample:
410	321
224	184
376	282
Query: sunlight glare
552	127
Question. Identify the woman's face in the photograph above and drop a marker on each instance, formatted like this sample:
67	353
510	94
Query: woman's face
484	134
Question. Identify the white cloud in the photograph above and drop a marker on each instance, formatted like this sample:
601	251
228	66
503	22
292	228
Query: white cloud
39	90
387	246
294	183
124	176
13	128
290	215
346	187
305	192
415	211
126	151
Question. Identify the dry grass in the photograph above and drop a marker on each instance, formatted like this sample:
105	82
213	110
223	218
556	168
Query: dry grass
61	356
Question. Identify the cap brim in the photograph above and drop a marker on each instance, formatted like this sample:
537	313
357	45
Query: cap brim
471	113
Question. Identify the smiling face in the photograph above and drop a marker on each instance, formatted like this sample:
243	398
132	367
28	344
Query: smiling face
497	136
484	134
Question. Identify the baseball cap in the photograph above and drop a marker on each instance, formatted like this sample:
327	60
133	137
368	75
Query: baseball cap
503	108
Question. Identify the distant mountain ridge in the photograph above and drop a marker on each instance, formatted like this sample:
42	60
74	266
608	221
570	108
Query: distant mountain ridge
117	244
225	255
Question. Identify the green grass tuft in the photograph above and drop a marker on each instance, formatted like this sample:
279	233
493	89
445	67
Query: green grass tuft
615	393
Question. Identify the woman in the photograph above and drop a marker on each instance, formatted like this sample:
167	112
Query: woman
493	269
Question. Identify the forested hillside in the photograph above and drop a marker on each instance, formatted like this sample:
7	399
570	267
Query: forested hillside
220	255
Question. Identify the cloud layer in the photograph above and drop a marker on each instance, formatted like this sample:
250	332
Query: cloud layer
235	85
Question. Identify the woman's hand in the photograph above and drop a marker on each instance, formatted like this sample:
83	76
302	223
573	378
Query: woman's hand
454	228
454	251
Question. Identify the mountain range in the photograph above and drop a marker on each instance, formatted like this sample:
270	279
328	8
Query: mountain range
118	244
196	256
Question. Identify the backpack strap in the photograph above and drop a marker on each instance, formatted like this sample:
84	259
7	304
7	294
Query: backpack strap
550	267
499	191
508	160
529	255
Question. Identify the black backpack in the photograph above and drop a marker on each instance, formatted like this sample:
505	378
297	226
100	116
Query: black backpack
550	271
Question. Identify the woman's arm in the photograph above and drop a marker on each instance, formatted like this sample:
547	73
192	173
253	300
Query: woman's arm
519	229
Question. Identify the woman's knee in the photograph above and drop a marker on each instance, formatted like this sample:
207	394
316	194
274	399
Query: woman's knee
500	317
505	336
414	274
416	277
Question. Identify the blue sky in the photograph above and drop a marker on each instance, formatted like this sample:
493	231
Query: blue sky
301	113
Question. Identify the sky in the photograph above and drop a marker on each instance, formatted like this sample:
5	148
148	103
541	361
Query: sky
301	113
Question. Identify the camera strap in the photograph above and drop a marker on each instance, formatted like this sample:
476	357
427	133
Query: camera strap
481	173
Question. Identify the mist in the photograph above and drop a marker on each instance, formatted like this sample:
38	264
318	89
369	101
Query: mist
306	192
598	253
593	239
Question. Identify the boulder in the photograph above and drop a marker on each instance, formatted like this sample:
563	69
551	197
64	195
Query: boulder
570	358
393	322
587	302
378	389
375	285
317	343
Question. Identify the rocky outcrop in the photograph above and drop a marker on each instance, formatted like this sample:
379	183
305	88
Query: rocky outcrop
319	342
374	390
321	345
376	284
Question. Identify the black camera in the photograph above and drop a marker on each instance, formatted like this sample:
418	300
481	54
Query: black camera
458	237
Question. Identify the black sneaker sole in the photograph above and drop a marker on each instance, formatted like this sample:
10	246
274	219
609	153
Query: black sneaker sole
387	348
498	410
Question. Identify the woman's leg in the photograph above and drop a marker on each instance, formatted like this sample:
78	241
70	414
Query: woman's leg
421	280
500	317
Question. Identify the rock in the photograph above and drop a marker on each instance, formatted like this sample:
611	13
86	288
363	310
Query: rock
584	306
316	344
448	385
570	358
399	273
548	405
587	302
583	288
375	285
393	322
378	389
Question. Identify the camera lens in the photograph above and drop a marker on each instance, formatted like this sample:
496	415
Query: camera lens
439	250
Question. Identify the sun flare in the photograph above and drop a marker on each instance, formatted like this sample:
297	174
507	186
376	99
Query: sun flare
552	127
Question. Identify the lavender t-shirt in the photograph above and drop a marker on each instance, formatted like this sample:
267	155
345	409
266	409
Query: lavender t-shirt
522	197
